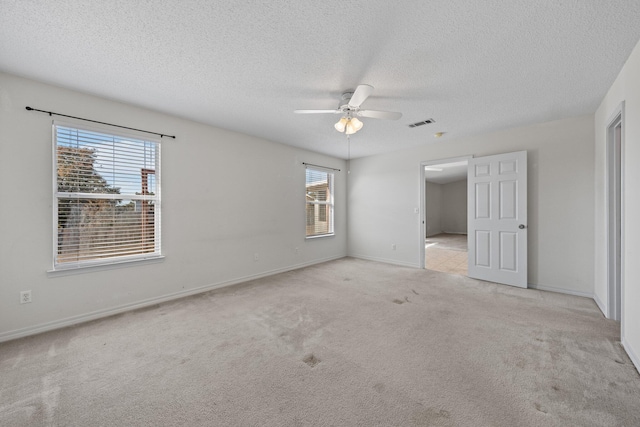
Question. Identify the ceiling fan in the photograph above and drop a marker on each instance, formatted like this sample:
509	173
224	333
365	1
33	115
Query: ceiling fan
349	107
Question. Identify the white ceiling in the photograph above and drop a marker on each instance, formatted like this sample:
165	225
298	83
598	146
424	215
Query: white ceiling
473	66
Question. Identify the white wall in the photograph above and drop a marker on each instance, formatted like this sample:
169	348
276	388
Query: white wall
625	88
433	202
560	200
446	207
454	207
212	182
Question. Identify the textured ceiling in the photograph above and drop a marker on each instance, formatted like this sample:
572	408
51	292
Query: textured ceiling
473	66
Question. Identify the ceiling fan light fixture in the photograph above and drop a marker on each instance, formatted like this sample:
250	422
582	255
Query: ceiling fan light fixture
348	125
357	124
342	123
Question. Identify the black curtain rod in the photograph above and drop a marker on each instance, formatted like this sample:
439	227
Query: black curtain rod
102	123
318	166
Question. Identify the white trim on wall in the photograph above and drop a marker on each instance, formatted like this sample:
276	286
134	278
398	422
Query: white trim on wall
602	306
617	116
74	320
634	357
561	291
385	260
423	214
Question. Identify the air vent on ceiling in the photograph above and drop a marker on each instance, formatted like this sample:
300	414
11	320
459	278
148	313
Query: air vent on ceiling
422	123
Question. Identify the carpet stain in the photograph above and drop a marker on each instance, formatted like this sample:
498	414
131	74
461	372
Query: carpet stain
311	360
379	387
555	387
399	301
432	417
540	408
414	291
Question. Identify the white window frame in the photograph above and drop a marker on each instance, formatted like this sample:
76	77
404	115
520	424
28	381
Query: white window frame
329	202
108	262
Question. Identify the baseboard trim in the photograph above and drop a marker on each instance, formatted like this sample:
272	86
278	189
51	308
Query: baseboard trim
560	290
385	260
74	320
632	355
601	305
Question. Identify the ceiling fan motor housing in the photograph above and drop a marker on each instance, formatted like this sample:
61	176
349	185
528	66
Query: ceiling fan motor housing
344	101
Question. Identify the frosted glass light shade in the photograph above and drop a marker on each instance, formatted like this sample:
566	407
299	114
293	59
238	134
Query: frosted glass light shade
353	126
348	125
342	123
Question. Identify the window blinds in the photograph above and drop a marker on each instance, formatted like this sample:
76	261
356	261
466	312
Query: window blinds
319	202
107	196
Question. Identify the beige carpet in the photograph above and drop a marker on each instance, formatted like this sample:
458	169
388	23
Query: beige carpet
345	343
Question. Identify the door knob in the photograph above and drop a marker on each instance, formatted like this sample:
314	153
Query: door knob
522	226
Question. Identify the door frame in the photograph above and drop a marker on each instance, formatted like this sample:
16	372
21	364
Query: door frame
423	199
615	247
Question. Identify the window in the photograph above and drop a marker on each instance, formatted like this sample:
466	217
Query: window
319	200
106	197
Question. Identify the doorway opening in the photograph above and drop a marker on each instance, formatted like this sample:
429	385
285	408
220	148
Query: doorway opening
615	232
445	216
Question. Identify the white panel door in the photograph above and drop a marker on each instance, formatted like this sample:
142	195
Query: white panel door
497	218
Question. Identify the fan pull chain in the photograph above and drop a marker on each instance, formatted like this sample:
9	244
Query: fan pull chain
349	153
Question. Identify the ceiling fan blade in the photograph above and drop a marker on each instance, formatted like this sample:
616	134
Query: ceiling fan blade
387	115
360	95
317	111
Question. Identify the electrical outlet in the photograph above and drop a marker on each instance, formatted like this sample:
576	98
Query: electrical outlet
256	257
297	251
393	247
25	297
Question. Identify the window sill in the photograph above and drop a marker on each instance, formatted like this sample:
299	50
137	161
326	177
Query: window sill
67	271
320	236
